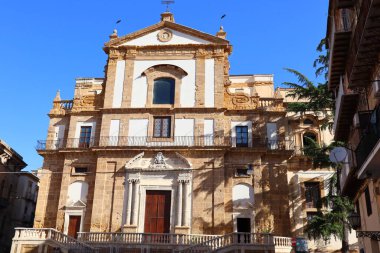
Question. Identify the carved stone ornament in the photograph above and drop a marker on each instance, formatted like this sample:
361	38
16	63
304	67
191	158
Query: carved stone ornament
165	35
159	159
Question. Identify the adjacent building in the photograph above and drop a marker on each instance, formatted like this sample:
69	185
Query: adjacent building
18	195
170	152
353	39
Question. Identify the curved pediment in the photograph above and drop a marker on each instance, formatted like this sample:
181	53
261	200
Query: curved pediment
158	161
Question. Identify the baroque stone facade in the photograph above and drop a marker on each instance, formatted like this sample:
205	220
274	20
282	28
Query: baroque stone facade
223	154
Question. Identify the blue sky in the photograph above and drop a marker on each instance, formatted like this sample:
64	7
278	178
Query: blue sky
45	45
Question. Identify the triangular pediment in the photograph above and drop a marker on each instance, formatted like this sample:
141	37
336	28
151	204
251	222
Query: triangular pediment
76	204
166	33
158	161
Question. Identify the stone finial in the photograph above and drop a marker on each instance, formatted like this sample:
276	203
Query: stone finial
167	16
57	96
114	34
221	33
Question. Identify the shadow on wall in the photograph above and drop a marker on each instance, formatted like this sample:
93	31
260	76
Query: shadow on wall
209	189
272	212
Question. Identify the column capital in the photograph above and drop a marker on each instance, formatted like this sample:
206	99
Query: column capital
134	180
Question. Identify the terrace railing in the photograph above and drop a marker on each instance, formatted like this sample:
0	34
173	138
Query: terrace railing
177	141
48	235
143	238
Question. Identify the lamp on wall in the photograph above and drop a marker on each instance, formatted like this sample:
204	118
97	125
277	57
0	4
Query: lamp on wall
354	220
250	169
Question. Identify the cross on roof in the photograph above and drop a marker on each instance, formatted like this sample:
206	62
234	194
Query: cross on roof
167	3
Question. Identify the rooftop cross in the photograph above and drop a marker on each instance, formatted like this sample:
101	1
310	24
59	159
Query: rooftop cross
167	3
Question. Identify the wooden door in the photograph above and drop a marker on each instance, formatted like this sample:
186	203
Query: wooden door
74	226
157	212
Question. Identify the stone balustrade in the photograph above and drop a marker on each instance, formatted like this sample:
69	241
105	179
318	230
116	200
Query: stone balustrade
143	238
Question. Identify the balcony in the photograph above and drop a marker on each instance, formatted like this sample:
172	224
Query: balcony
35	238
339	41
115	142
368	149
365	44
345	107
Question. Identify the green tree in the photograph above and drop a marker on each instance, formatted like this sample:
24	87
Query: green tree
331	218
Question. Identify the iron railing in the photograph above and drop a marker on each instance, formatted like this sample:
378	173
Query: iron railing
177	141
369	139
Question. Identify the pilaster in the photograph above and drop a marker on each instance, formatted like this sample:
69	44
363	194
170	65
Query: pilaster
111	76
200	81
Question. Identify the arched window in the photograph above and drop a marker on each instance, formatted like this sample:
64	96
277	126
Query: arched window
308	122
77	191
309	139
163	91
242	196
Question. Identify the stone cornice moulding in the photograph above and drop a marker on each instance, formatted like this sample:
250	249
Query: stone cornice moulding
162	25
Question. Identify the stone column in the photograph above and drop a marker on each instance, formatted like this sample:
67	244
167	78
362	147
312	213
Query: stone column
129	202
179	209
135	201
186	211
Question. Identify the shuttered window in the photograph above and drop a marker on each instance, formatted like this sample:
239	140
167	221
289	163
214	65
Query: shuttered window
162	127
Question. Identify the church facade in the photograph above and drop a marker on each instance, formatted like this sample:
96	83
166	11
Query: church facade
168	142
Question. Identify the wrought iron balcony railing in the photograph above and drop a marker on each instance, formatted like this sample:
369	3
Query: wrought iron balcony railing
177	141
370	137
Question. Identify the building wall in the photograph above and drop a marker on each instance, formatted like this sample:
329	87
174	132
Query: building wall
122	158
10	183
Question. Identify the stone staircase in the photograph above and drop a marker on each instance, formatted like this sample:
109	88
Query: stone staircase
47	240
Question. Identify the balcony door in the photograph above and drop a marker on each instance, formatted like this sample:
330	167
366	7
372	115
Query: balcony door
241	136
157	212
272	135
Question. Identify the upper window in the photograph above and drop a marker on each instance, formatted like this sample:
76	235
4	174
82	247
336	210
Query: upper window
85	136
163	91
241	136
309	139
312	194
162	127
308	122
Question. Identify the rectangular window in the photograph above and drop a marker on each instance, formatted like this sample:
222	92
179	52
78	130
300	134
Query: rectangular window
241	136
80	170
310	215
368	201
163	91
312	194
85	136
162	127
241	172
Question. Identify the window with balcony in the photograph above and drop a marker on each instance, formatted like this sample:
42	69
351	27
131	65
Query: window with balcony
312	194
241	136
85	136
163	91
162	127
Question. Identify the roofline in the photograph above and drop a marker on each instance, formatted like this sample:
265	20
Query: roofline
157	26
29	174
